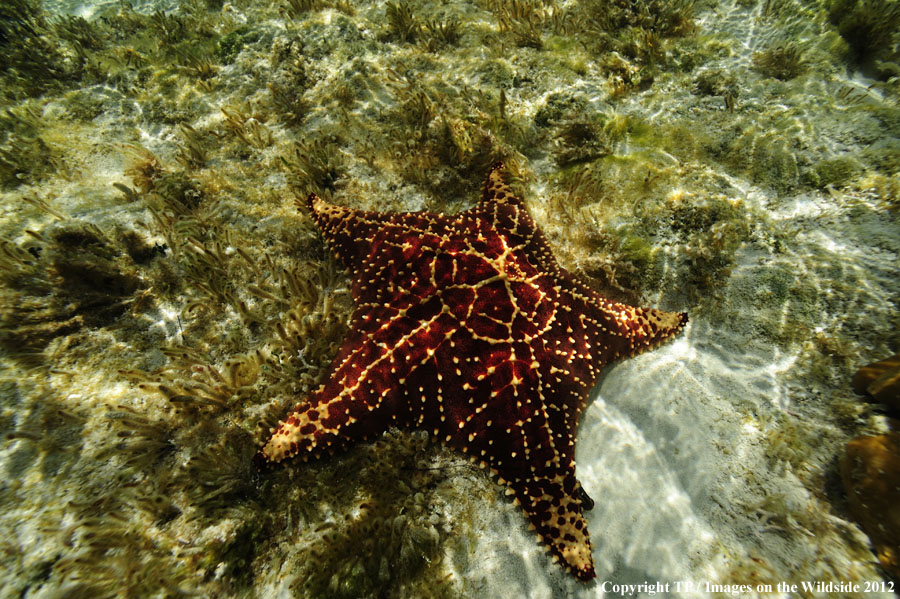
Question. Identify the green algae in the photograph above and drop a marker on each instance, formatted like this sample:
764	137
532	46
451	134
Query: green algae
231	44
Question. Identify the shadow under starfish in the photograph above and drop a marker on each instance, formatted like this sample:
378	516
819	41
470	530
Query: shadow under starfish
466	326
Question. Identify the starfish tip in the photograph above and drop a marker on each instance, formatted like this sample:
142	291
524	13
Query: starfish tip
261	462
585	573
310	202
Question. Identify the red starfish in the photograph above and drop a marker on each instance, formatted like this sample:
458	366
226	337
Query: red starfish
466	326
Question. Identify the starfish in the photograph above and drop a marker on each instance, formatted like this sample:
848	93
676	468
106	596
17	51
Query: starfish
466	326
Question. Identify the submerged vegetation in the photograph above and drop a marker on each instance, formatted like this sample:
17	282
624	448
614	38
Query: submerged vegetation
149	162
781	61
872	29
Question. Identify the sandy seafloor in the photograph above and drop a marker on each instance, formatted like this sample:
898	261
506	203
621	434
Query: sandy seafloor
713	459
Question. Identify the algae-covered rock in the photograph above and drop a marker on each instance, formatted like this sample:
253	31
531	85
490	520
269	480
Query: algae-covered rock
870	472
837	172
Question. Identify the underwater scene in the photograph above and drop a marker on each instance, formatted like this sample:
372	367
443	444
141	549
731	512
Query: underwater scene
313	298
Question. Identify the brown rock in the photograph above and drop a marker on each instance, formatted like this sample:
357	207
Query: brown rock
880	381
870	472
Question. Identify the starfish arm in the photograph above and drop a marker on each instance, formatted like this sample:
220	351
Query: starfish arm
356	235
516	436
317	425
598	332
501	404
637	328
506	213
534	459
349	232
610	330
382	250
554	509
365	391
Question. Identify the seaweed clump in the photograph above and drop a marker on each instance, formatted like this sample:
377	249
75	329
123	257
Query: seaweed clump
24	155
29	61
385	532
581	140
402	22
781	61
635	29
627	39
525	20
76	278
872	29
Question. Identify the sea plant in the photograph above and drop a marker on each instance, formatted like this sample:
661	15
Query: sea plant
80	33
403	24
872	29
296	8
29	60
580	140
315	164
522	19
668	19
72	278
437	34
782	61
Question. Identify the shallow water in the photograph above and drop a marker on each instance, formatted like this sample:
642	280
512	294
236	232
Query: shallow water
164	303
